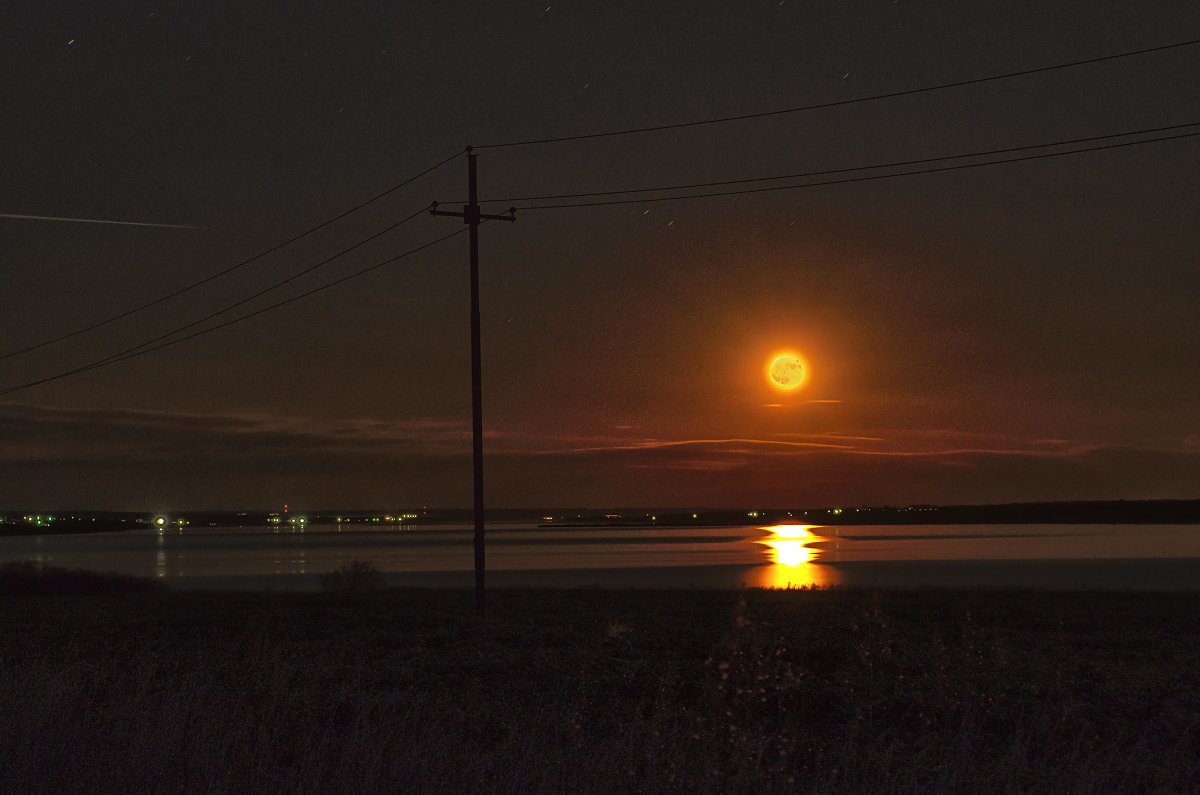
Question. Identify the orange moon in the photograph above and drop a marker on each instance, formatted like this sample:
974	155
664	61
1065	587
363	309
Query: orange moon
787	371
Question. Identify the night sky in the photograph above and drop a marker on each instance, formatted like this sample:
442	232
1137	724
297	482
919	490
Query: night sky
1018	332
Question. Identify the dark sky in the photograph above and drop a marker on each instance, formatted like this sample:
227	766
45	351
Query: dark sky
1018	332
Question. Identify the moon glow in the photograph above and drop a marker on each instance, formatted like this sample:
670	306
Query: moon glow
787	372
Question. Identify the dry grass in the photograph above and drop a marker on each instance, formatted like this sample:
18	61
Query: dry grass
814	691
28	578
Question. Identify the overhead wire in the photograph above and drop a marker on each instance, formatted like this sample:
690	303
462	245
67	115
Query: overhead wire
826	172
212	277
164	341
269	289
838	102
134	353
866	178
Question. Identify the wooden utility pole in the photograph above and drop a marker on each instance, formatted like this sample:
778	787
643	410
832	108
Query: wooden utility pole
473	217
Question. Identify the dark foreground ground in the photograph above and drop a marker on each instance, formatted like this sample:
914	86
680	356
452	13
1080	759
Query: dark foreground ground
406	691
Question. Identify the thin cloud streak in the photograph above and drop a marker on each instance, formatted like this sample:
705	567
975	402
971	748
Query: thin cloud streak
63	219
655	444
778	447
801	403
978	451
132	459
838	436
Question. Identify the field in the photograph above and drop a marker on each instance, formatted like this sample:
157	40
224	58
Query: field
605	691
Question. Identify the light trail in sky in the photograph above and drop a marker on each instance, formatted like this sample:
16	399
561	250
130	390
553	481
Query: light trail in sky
93	221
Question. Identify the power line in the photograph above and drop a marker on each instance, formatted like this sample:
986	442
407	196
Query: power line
827	172
840	102
230	269
264	291
149	346
867	178
134	353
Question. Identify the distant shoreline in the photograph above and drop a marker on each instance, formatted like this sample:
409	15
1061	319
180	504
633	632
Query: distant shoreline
16	523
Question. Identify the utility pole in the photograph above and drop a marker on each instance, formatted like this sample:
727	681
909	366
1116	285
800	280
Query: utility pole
473	217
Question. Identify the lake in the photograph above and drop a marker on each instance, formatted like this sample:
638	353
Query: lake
1118	557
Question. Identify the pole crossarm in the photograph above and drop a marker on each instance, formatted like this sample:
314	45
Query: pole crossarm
471	214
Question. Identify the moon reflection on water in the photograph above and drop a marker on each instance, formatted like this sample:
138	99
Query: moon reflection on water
792	559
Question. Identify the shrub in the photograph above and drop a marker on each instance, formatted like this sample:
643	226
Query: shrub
357	576
29	577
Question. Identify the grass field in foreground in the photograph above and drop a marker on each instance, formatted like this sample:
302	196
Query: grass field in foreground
407	691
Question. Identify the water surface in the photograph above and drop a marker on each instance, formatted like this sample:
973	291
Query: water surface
1054	556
